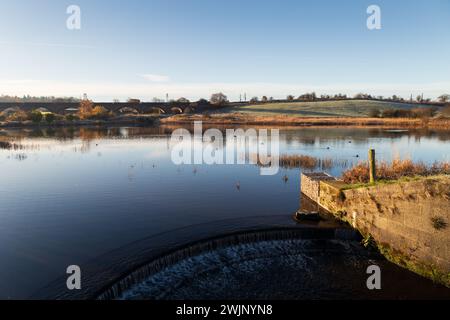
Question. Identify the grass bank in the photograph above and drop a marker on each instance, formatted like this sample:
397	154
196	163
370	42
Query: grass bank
339	108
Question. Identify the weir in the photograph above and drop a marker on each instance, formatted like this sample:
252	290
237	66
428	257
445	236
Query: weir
207	246
108	275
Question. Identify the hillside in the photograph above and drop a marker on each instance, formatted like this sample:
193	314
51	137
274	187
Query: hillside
343	108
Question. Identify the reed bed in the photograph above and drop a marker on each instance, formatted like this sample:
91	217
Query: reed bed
305	162
289	120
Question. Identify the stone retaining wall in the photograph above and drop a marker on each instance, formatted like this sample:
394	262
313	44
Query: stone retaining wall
310	183
408	220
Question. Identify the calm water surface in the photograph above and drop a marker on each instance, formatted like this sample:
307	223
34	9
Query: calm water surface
69	196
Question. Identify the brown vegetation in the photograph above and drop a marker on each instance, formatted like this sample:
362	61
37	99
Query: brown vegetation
19	115
87	110
446	111
405	113
395	170
286	120
100	112
86	107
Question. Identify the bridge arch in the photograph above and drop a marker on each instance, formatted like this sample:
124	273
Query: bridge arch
176	110
189	109
157	110
128	110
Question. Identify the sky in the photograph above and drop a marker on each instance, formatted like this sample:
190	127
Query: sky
193	48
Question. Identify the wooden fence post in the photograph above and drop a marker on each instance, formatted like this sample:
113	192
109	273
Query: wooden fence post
372	166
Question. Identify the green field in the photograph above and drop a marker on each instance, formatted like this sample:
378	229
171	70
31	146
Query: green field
345	108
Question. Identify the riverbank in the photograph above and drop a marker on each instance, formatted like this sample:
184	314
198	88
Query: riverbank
286	120
141	120
243	120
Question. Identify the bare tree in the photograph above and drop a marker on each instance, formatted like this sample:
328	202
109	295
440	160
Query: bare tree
218	99
85	110
183	100
444	98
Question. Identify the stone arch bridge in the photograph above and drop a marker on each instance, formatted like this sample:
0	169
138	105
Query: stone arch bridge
120	107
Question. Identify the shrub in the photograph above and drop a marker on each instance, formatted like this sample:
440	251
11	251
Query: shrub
49	117
86	108
36	116
388	113
99	112
421	113
402	113
438	223
396	113
446	110
19	115
71	117
374	113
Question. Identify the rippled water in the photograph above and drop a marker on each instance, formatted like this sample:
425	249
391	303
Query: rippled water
69	196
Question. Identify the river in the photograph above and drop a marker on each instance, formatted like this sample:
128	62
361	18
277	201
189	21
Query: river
69	196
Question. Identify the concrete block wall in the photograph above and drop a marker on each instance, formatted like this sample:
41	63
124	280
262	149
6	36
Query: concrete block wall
310	183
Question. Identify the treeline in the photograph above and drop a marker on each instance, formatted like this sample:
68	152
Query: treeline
44	99
312	96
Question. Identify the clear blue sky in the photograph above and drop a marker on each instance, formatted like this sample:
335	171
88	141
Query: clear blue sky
192	48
